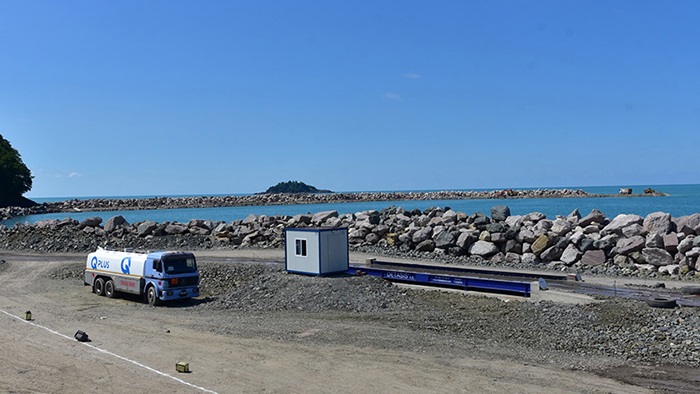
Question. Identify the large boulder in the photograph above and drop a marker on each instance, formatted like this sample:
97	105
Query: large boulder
421	235
445	240
654	240
198	230
175	229
594	217
593	258
372	238
302	218
449	216
114	222
658	222
550	254
479	219
251	218
657	256
320	217
466	239
561	226
686	244
620	222
628	245
688	224
500	213
571	255
426	246
671	242
146	228
90	222
541	243
483	248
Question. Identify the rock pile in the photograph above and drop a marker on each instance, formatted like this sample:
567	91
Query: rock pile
625	245
123	204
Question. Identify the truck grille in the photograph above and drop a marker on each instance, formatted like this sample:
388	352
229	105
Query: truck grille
186	281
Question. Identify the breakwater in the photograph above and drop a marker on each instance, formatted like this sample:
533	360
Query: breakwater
627	244
161	203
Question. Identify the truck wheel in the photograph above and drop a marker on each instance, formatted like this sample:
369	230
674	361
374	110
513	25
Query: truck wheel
152	296
99	286
109	289
661	302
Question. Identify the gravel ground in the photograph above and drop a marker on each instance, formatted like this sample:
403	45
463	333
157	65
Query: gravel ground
617	329
253	299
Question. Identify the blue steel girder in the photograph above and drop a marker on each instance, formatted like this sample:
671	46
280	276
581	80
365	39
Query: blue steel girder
466	283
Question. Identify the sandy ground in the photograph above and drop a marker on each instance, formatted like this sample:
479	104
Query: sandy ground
134	348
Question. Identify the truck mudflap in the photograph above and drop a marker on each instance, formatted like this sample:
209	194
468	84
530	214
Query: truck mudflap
179	293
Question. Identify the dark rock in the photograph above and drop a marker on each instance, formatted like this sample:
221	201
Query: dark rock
426	246
445	240
495	228
175	228
466	239
146	228
302	218
550	254
90	222
595	216
112	223
513	246
657	256
421	235
499	213
479	219
628	245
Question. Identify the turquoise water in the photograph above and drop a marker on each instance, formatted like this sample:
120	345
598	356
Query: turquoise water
682	200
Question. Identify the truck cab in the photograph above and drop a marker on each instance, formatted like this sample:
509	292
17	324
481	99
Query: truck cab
170	276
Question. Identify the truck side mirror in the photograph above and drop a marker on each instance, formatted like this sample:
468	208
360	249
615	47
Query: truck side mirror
157	265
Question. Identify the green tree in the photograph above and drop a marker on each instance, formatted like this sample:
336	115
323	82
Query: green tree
15	177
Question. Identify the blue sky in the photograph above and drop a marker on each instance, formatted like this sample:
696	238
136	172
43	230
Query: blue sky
107	98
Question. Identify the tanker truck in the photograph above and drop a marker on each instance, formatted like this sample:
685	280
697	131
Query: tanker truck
157	276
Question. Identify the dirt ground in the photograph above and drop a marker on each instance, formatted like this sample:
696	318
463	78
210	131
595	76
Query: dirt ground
134	347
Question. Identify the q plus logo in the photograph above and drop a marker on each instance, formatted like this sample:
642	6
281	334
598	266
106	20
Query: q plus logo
126	265
93	262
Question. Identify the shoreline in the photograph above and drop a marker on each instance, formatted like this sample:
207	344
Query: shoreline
135	204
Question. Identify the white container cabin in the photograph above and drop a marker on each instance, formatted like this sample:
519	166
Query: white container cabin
316	251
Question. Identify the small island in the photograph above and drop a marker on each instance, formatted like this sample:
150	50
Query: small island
293	187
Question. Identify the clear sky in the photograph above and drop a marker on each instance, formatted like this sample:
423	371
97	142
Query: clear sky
106	98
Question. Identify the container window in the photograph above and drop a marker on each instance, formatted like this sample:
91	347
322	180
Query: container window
301	247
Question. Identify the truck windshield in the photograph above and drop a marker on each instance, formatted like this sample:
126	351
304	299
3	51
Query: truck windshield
180	265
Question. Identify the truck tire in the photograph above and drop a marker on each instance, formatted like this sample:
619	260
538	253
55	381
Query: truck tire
152	296
99	287
661	302
109	289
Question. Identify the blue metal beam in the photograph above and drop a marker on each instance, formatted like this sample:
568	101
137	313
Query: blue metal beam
465	283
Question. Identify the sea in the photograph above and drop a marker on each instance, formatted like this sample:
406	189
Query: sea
681	200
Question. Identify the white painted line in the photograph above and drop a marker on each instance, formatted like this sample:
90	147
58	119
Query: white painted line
112	354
